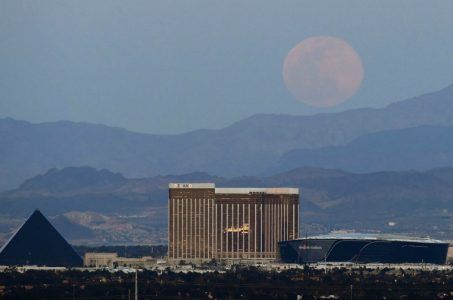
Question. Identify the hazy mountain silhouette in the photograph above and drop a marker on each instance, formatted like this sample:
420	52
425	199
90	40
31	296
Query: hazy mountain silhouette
89	189
418	148
248	147
72	178
419	202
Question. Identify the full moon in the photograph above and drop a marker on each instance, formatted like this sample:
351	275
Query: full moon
323	71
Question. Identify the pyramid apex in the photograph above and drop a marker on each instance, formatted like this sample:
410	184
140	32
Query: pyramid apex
37	213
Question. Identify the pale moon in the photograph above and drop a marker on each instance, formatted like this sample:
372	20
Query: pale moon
323	71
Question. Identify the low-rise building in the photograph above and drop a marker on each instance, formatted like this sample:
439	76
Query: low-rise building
112	260
98	260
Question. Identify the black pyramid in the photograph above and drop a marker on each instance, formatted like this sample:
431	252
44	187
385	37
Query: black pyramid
37	242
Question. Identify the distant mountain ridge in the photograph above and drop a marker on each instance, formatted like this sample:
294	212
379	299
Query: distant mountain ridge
72	178
135	210
252	146
417	148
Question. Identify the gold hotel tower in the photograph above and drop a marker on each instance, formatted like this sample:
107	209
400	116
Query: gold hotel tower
207	223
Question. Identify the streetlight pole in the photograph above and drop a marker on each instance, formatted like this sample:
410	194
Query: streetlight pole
136	285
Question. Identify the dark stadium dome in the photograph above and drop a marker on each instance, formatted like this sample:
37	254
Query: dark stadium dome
363	248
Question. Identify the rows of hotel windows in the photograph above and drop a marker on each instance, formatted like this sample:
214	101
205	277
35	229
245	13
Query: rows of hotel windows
209	228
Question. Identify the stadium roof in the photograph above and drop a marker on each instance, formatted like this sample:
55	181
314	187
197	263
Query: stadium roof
373	236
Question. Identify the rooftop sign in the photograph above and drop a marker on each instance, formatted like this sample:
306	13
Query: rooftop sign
188	185
191	186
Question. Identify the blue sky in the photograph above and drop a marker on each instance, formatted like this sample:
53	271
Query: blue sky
174	66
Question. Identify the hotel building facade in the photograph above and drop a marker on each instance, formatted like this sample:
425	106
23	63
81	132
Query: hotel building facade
207	223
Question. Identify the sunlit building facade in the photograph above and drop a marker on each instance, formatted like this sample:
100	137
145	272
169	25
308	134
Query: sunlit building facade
207	223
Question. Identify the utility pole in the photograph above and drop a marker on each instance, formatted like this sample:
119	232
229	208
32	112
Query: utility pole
351	291
136	285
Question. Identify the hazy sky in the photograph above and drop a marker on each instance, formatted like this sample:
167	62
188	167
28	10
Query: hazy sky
173	66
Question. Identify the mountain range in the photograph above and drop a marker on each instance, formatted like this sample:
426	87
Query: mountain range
256	146
418	148
111	209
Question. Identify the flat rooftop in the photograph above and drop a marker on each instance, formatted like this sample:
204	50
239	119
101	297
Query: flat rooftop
241	190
